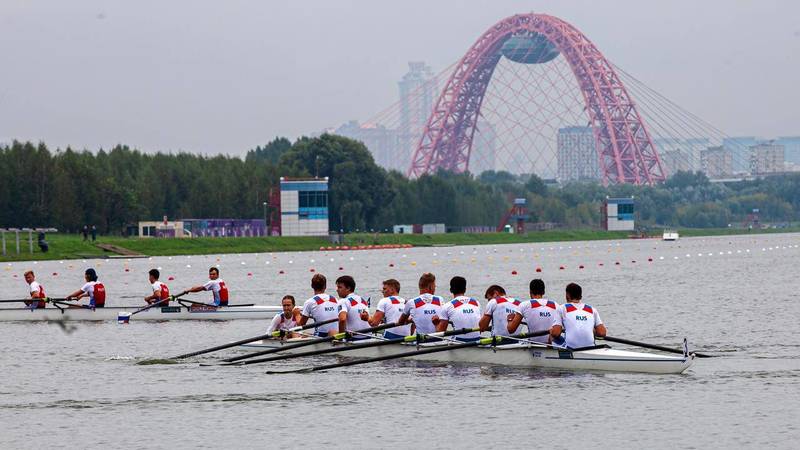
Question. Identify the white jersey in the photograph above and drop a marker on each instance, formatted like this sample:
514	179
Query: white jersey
422	310
354	305
219	290
36	289
501	310
578	321
540	315
392	309
322	307
463	312
280	322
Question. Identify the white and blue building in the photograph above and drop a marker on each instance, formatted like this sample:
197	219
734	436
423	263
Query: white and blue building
304	207
618	214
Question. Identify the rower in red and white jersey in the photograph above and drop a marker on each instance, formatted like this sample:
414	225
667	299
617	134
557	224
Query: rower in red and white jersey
320	307
36	291
538	312
423	311
499	311
579	321
287	319
462	311
93	289
389	310
353	310
218	288
160	293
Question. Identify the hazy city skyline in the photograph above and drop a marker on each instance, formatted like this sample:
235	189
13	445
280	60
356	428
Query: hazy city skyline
223	78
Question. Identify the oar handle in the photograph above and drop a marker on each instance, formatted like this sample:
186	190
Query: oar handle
650	346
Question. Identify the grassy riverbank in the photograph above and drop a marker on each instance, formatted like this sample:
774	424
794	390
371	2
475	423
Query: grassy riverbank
67	246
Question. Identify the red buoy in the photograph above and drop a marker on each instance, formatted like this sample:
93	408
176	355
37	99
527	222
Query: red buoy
580	267
281	272
560	267
170	278
513	272
538	269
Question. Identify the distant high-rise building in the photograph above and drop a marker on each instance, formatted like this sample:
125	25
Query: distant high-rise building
767	158
791	146
484	148
717	162
739	147
576	154
675	160
417	90
382	142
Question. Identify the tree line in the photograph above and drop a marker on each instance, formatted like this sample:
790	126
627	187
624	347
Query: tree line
68	189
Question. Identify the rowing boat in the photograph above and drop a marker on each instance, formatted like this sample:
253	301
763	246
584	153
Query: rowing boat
522	354
164	313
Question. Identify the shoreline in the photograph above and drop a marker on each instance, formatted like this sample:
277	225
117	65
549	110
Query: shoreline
68	246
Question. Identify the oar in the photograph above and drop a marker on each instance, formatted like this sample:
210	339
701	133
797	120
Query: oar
651	346
253	339
125	317
46	299
494	340
356	346
313	341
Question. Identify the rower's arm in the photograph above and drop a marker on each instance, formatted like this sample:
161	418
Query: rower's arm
515	323
342	321
151	298
556	331
485	323
303	320
77	294
600	330
403	319
442	325
376	319
194	289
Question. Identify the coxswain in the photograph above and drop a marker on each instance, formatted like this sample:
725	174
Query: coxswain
462	312
321	307
36	290
539	313
92	289
423	311
389	310
500	310
353	310
214	284
160	293
287	319
579	321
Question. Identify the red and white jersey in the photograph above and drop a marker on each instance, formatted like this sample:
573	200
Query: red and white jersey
540	315
161	291
280	322
422	310
502	310
322	307
392	309
96	292
463	312
218	290
578	321
37	290
354	305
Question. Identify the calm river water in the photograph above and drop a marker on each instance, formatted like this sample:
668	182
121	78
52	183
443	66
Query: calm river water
731	296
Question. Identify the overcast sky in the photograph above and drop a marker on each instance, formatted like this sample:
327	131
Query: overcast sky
224	76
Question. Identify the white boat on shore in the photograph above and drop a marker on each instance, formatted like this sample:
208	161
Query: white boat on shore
176	312
522	354
670	235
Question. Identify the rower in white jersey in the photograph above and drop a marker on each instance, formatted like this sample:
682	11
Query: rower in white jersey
461	311
286	319
423	311
539	314
353	310
320	307
500	309
579	321
160	293
389	310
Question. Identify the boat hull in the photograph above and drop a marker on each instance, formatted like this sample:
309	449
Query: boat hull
164	313
529	355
